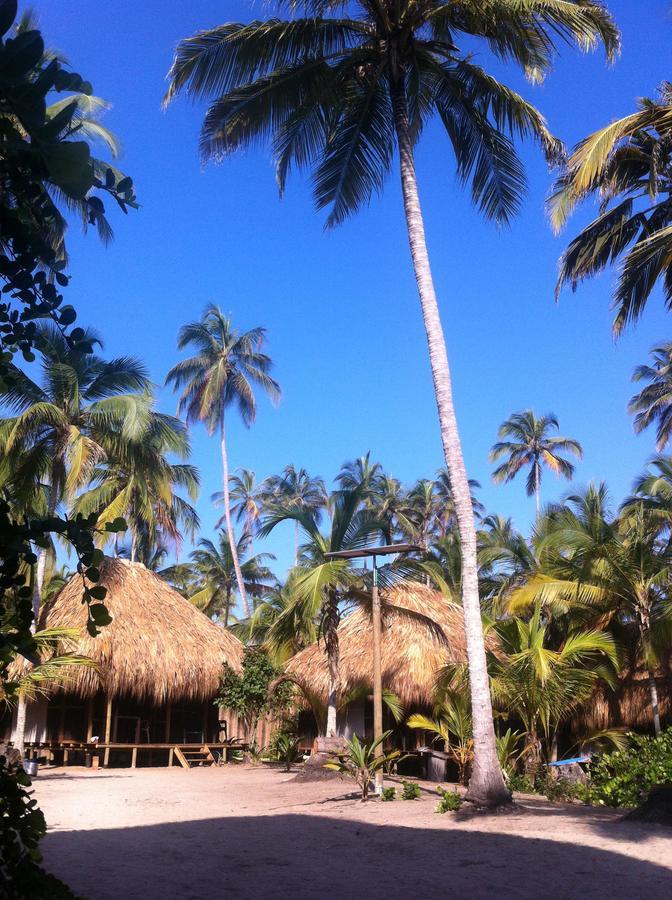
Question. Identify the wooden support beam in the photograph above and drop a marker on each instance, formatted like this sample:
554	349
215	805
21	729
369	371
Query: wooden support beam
205	722
171	753
89	721
108	729
134	757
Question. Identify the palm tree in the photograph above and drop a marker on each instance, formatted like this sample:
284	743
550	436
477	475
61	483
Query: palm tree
610	572
338	91
226	365
279	624
452	724
139	483
64	422
56	657
216	576
361	473
420	511
542	686
654	401
248	497
627	167
446	516
322	585
296	489
533	446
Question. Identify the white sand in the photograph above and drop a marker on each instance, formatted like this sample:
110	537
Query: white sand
243	832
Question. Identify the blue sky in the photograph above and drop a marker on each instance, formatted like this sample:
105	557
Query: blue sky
341	307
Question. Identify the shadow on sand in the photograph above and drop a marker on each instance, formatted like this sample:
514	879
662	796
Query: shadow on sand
302	856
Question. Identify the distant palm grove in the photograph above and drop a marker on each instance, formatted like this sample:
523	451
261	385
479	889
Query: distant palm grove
579	609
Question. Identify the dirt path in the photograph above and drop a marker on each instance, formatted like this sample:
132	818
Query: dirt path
168	833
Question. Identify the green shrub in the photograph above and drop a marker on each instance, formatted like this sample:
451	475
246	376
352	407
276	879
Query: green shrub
360	761
387	794
523	784
450	801
564	790
410	790
22	827
625	777
285	748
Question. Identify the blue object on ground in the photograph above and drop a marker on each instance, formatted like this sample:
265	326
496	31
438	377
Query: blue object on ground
567	762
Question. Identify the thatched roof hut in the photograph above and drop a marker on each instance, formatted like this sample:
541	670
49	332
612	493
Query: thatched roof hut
628	706
421	632
159	648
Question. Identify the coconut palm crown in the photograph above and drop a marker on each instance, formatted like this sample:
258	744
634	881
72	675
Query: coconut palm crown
653	404
221	374
627	167
531	444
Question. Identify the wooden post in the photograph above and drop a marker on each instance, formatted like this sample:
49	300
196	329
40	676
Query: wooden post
377	676
89	723
108	729
170	756
167	734
134	757
205	722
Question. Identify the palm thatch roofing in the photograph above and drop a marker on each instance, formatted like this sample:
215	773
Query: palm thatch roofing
421	632
628	706
158	648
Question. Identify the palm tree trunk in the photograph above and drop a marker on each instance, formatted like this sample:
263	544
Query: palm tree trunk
229	526
331	645
38	585
296	544
653	690
536	485
333	660
19	738
486	786
134	545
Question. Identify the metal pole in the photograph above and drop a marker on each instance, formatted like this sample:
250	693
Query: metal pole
377	675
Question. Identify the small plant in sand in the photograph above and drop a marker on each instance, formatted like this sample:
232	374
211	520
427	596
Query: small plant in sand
388	794
287	748
450	801
410	790
359	761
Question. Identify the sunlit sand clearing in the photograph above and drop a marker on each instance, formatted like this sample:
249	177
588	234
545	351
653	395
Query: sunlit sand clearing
251	832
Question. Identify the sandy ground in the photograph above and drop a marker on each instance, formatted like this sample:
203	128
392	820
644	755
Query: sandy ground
244	832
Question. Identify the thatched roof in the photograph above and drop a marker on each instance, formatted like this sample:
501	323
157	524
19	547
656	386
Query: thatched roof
158	647
422	631
628	706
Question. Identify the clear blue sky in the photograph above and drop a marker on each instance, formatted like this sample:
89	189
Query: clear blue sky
341	308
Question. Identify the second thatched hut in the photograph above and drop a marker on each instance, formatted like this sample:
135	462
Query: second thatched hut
422	632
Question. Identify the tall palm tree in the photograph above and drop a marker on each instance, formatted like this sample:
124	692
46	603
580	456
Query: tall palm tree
627	167
532	445
216	576
226	366
248	499
296	489
140	483
65	420
322	585
653	404
338	91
